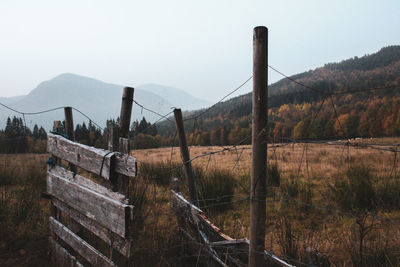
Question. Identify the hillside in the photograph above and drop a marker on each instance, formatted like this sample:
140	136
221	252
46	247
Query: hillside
97	99
292	107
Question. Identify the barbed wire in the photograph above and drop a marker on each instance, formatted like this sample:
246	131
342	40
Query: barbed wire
222	99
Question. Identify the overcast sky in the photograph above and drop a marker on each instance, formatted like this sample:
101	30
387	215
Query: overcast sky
203	47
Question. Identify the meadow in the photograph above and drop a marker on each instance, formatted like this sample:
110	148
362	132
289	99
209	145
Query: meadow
328	205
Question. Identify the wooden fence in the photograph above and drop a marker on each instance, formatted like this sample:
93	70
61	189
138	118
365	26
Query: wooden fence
103	212
208	242
91	207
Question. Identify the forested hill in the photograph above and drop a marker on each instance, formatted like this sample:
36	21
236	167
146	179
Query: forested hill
291	106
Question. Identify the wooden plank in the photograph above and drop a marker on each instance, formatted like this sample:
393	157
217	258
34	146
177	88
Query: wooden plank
102	208
60	256
91	159
196	217
84	249
125	164
115	241
81	180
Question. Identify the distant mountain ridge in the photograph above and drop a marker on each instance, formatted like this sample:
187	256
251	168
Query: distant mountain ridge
99	100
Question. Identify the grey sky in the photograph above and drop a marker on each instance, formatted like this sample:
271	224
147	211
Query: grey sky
203	47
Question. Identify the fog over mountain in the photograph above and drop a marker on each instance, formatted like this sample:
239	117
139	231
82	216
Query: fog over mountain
99	100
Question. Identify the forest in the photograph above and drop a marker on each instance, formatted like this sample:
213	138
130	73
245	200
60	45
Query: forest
348	99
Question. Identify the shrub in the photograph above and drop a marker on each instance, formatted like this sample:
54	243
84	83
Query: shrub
355	191
215	188
290	187
388	194
160	172
273	175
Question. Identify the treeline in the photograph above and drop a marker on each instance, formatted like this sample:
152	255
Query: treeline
16	138
292	107
292	111
347	116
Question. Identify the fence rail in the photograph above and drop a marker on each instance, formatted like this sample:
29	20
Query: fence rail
204	236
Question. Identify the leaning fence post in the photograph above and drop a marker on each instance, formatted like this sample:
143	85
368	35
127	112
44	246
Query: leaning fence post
186	156
259	147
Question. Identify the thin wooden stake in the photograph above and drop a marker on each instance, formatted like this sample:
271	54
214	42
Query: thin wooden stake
259	148
69	130
186	156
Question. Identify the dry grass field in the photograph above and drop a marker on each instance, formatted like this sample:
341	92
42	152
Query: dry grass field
329	205
305	213
323	160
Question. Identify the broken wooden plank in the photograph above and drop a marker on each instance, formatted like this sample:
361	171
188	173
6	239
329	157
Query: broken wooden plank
196	217
99	161
211	234
229	242
115	241
60	256
108	212
277	260
84	249
92	159
81	180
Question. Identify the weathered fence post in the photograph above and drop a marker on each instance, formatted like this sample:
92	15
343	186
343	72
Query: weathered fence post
113	138
126	111
259	147
186	156
123	133
69	130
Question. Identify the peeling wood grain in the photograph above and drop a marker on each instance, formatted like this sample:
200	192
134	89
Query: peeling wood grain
81	180
92	159
110	238
107	211
84	249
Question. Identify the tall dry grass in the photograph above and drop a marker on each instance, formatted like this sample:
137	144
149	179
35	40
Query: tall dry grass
23	214
326	205
324	192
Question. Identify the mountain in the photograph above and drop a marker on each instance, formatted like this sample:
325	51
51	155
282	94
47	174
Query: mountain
176	96
292	107
11	100
99	100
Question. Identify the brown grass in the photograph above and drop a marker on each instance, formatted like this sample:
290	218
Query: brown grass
302	206
329	232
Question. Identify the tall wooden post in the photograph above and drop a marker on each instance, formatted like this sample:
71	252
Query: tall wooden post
126	111
69	130
186	156
123	145
259	147
118	141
